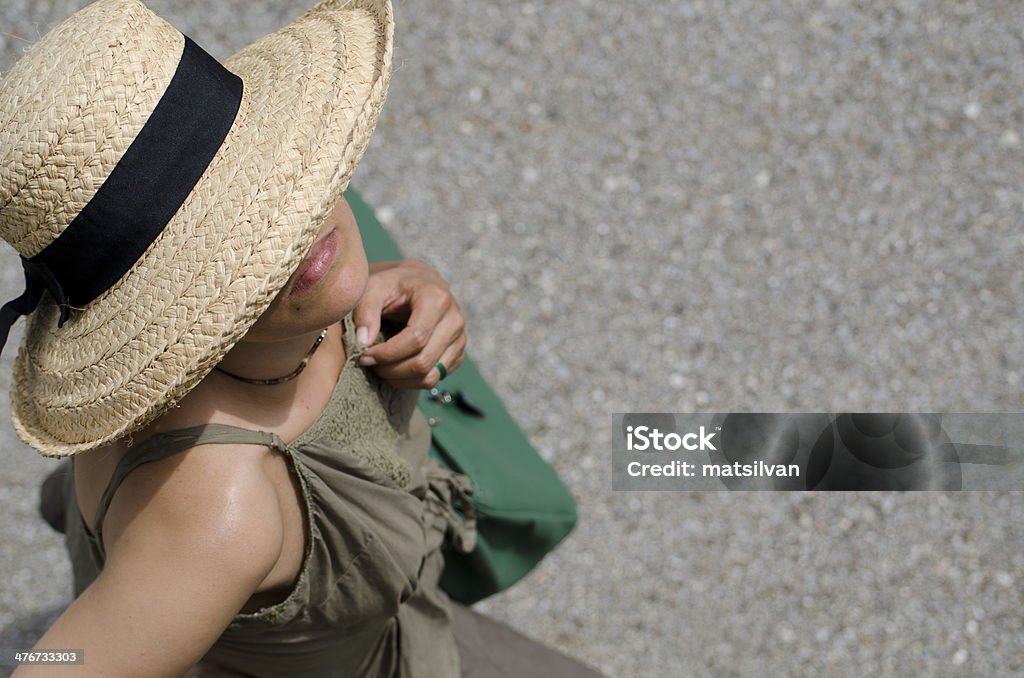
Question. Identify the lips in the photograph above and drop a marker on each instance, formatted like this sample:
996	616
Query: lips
316	263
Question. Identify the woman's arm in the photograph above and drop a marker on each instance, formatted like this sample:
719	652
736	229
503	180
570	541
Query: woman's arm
189	539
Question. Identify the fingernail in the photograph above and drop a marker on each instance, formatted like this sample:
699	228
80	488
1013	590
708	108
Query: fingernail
361	335
367	361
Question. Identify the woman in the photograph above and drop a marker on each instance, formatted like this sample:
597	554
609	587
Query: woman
247	497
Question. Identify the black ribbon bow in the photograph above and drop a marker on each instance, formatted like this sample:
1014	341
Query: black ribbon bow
38	278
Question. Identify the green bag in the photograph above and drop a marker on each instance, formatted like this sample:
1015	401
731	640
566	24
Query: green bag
522	508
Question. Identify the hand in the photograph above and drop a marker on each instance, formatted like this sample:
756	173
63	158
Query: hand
413	295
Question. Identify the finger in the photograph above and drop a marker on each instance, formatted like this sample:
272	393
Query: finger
367	313
451	359
430	316
418	366
455	354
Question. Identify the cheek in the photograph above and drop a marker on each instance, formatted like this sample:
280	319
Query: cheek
323	305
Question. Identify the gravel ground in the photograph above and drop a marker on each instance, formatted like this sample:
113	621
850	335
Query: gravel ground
745	205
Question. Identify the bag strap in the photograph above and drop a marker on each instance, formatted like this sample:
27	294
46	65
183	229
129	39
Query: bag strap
163	445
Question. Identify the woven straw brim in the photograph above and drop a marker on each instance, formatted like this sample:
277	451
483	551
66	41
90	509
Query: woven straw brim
312	95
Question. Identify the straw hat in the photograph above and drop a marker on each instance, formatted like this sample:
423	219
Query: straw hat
159	200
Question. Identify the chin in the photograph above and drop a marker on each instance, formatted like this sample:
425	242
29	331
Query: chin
339	292
320	306
343	291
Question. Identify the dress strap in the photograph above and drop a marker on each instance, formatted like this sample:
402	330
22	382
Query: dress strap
162	445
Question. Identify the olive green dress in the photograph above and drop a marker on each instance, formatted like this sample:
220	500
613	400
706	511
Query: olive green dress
367	602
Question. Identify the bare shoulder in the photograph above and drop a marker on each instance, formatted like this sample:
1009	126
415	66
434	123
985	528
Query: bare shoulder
203	498
204	489
199	476
214	488
189	539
